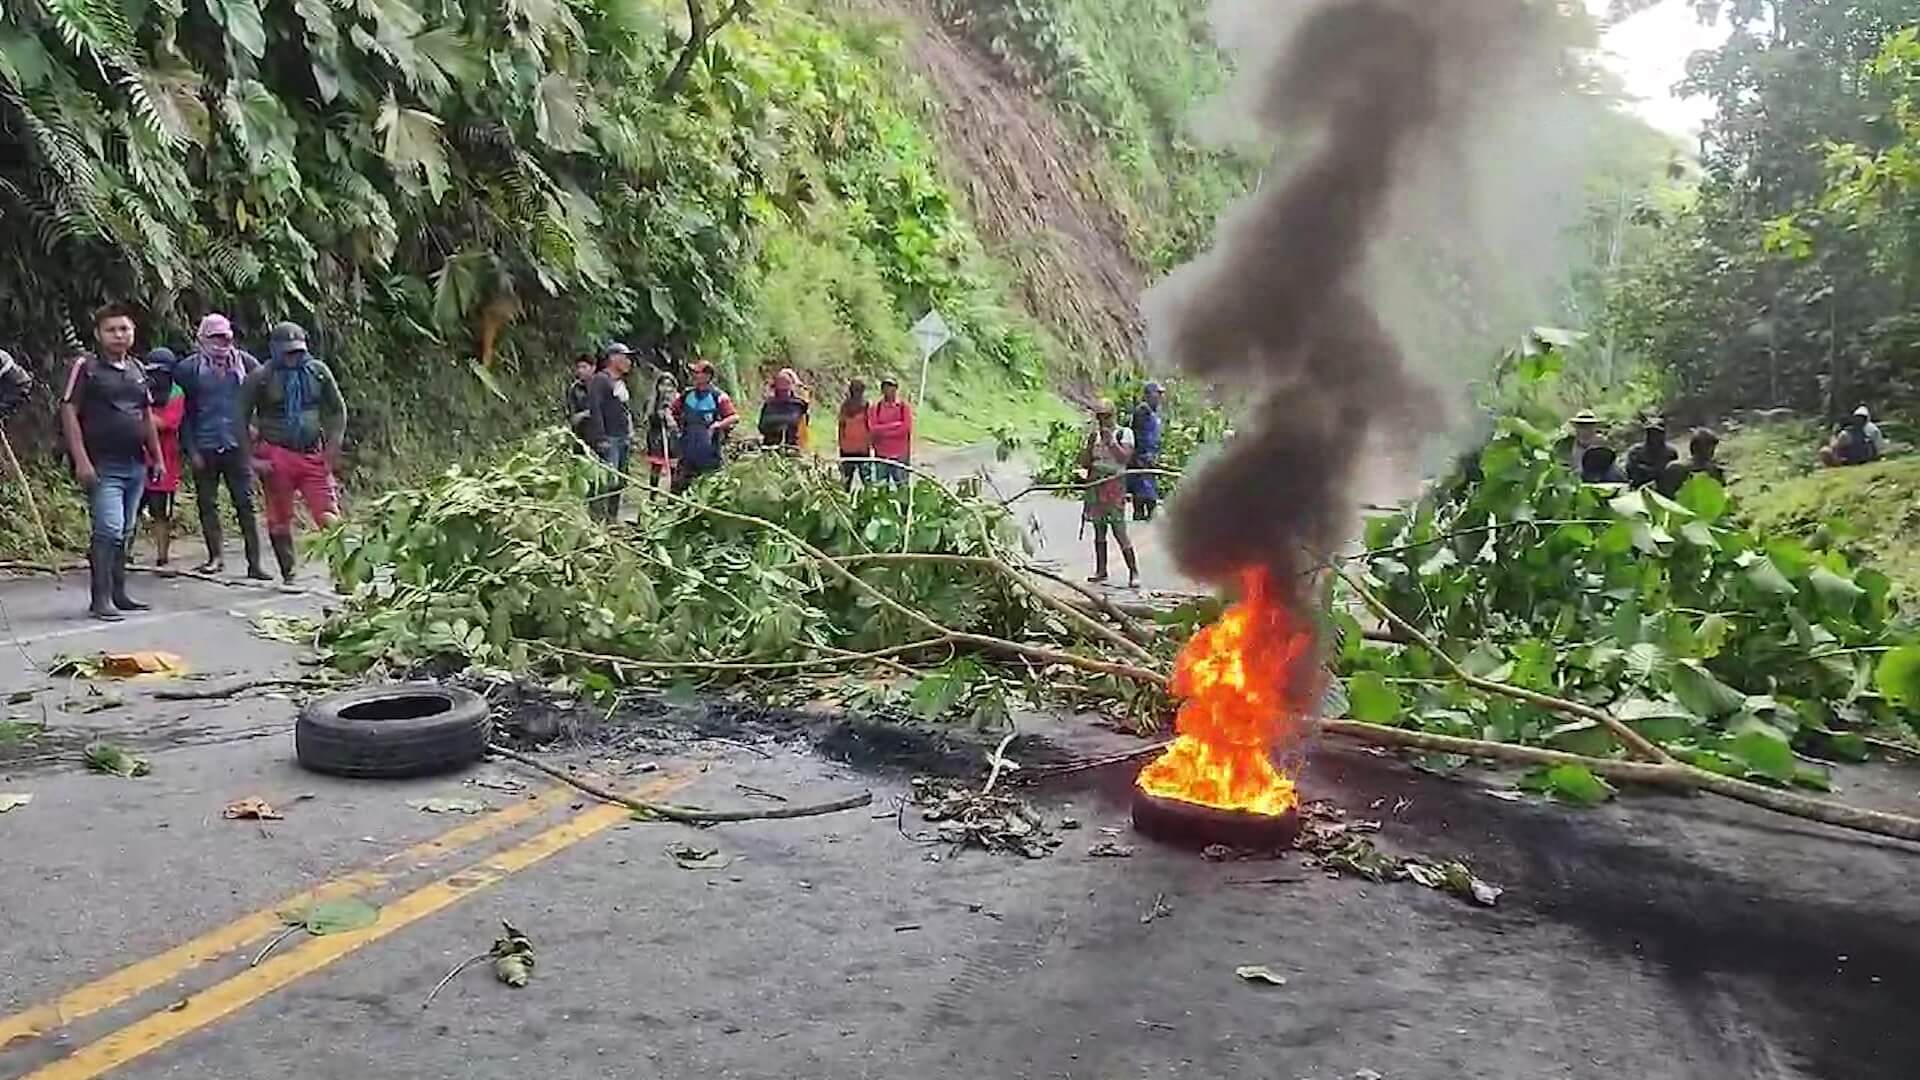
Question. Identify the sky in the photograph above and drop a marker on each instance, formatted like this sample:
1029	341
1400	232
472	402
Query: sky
1649	53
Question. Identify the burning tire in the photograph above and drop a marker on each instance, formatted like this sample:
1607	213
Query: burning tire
1187	824
389	732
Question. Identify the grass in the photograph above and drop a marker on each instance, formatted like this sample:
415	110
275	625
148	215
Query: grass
1872	510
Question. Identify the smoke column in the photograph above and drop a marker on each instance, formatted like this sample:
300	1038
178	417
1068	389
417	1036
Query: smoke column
1279	311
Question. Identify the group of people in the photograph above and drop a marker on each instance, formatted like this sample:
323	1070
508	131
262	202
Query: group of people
683	432
128	421
1858	441
1652	462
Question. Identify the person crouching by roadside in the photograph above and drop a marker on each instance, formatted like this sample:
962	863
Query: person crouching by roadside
783	415
663	432
1701	448
294	404
891	422
856	441
705	414
610	425
106	412
169	404
1109	448
212	377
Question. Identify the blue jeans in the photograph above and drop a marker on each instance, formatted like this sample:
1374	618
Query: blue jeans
616	454
890	472
115	498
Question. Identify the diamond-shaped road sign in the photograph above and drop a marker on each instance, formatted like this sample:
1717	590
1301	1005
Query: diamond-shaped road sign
931	332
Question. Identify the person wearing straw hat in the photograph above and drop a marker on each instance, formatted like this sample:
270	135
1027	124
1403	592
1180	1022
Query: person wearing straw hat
1586	436
1108	450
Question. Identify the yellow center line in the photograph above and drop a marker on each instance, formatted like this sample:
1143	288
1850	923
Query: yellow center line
129	982
225	998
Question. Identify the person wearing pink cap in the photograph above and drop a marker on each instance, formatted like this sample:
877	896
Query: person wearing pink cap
210	379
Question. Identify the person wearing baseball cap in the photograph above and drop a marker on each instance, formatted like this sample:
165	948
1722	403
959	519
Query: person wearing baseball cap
210	379
1104	457
610	427
705	414
1647	462
890	424
15	384
294	403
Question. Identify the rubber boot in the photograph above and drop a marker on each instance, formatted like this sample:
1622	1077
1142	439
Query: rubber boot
1147	507
1099	561
120	598
216	547
1133	568
100	557
283	553
250	540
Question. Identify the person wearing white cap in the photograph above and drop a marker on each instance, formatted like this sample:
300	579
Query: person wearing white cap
1856	443
1872	431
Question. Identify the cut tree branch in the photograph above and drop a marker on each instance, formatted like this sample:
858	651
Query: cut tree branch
686	815
699	32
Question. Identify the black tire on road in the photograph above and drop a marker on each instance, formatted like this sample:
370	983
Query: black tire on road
388	732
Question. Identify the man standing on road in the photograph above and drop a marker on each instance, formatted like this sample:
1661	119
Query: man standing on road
705	414
610	426
890	423
1147	426
1105	458
294	405
107	416
211	378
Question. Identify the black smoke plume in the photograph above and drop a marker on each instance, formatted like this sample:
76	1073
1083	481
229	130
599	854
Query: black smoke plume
1278	309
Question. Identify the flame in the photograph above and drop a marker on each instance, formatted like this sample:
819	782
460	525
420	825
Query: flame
1243	680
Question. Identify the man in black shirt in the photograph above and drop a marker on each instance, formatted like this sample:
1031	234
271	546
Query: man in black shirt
576	398
610	427
1647	462
107	414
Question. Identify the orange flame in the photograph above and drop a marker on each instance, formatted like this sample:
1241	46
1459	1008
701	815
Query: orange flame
1241	678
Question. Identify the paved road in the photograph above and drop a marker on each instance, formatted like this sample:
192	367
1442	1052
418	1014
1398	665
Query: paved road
1656	938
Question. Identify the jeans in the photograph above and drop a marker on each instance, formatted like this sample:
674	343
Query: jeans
115	499
856	468
615	454
890	472
231	467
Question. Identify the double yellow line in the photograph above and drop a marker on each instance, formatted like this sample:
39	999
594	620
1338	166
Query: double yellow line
229	996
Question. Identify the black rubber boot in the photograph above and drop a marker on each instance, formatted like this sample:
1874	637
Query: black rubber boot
100	557
120	598
283	553
1147	508
1099	561
216	548
250	540
1133	568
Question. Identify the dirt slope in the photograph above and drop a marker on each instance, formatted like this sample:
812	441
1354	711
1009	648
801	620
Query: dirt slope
1029	190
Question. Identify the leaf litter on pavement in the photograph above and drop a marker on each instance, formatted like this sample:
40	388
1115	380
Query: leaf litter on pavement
964	817
338	915
252	808
512	956
110	759
13	800
442	805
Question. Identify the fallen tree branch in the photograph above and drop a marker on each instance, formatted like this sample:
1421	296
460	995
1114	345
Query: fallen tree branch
222	692
1672	774
1628	737
839	657
686	815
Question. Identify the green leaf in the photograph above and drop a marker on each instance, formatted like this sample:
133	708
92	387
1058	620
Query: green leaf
1761	573
1697	689
1898	676
241	19
23	61
1837	594
557	115
412	144
514	969
108	758
1699	534
1574	784
1703	495
1371	700
339	916
1763	749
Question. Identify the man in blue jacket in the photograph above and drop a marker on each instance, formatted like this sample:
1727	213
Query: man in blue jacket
211	378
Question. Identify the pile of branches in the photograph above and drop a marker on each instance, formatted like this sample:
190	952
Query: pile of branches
770	570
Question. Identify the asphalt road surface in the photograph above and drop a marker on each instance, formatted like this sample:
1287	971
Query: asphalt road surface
1654	938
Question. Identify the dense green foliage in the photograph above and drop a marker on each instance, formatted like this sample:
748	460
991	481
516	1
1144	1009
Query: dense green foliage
502	565
1729	647
1129	74
1789	280
451	186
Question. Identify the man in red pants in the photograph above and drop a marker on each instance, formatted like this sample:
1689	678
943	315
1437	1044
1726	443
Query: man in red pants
293	407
